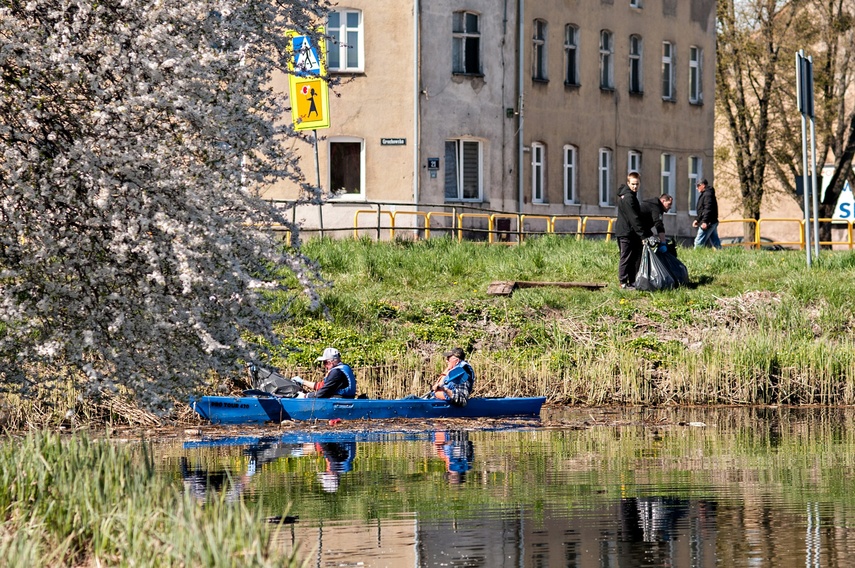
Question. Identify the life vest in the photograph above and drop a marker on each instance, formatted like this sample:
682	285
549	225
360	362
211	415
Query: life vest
350	390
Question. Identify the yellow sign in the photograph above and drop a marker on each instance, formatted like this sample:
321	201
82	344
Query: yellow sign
310	104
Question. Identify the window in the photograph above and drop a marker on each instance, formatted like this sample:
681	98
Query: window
538	172
668	71
570	174
466	43
346	167
695	91
696	174
344	48
667	168
605	177
633	161
571	55
635	3
606	64
538	69
635	84
462	170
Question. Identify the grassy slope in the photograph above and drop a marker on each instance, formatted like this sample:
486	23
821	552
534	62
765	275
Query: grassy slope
754	326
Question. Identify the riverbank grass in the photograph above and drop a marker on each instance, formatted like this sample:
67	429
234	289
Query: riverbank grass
84	502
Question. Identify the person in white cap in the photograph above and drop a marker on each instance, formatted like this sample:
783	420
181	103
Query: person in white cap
339	382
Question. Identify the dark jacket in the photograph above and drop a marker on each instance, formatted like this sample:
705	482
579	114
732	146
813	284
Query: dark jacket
651	215
707	207
629	215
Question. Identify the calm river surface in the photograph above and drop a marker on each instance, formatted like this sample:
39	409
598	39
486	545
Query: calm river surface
663	487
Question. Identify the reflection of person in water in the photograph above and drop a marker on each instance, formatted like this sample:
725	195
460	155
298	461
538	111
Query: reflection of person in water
455	448
339	458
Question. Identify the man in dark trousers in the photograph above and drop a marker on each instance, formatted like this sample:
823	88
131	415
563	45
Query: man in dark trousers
651	214
629	230
707	221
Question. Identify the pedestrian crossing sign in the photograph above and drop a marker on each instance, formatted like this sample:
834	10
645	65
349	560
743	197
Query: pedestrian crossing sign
308	88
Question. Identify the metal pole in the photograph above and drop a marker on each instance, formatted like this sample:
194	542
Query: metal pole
806	189
318	174
802	101
813	190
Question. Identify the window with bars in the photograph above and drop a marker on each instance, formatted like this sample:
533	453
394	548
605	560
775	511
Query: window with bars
463	170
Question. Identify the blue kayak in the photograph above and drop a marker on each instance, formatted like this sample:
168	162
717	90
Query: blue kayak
250	409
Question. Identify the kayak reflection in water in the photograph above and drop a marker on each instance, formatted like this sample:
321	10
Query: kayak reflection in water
456	449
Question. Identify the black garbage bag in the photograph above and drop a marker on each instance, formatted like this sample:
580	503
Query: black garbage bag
652	274
272	382
675	267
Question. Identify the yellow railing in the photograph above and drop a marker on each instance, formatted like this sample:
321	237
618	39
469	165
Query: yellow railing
521	226
609	220
418	214
546	219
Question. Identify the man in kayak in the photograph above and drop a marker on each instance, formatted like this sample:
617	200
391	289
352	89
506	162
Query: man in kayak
456	382
339	382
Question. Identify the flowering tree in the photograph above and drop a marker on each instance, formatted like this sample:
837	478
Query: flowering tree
134	135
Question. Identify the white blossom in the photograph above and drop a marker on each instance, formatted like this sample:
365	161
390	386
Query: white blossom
126	129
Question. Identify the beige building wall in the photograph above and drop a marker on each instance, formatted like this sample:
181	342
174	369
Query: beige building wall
590	117
373	102
407	90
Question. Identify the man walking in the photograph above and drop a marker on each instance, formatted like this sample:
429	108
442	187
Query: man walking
629	230
707	221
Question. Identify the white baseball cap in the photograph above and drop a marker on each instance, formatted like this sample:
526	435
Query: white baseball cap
329	354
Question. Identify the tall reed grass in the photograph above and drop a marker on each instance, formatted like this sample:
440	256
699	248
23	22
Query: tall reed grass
754	327
81	502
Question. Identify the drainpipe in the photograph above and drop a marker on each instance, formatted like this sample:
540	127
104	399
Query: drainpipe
520	120
416	95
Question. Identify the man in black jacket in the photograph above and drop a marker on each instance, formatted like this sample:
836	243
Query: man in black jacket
629	230
651	214
707	221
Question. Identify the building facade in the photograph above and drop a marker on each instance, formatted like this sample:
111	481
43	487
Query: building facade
539	107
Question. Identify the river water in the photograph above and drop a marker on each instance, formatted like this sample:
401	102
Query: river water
628	487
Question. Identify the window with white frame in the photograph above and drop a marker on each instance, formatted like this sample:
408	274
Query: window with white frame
667	170
633	161
635	82
668	57
695	60
635	3
345	43
605	177
606	60
571	55
463	169
570	153
696	174
466	43
347	167
538	66
538	172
